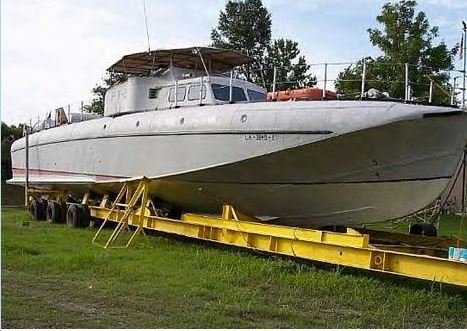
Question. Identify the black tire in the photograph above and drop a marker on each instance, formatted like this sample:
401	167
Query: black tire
44	203
423	229
85	216
73	216
37	210
63	211
54	212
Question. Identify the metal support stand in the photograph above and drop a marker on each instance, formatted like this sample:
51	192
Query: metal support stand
274	77
325	80
231	86
406	82
362	92
134	212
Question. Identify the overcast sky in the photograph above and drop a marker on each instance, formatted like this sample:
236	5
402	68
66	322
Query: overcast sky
54	51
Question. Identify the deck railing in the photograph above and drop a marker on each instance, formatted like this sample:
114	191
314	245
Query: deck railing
47	120
327	78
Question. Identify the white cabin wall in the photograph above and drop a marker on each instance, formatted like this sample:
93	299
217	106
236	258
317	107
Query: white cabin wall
138	94
133	94
115	99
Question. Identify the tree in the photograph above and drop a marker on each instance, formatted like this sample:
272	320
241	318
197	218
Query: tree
406	37
377	76
244	26
281	54
97	103
9	134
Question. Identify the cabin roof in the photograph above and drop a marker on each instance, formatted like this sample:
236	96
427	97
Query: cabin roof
217	60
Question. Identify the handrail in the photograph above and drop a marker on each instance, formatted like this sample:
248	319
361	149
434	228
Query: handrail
328	77
323	78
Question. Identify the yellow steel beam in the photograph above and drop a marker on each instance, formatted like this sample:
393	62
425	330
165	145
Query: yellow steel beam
134	212
347	249
53	195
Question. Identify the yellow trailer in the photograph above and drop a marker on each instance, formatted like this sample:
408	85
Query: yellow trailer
400	254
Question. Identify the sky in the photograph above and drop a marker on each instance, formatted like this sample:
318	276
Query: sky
53	52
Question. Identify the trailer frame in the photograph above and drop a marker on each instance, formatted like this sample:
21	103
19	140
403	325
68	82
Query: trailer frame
133	212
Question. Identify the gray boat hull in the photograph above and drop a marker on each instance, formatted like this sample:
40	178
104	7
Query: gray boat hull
306	163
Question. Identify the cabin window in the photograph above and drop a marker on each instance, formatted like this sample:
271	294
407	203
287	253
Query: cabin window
193	92
256	96
222	92
153	93
181	91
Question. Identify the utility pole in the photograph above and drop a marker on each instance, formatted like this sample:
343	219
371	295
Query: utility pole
464	56
26	165
464	164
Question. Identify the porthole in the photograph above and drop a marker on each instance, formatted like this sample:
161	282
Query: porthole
182	120
243	118
137	123
105	125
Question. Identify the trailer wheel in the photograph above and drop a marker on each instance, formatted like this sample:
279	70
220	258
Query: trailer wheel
85	216
423	229
37	210
73	216
63	212
54	212
43	204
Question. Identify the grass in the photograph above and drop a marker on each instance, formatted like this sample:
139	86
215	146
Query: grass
53	277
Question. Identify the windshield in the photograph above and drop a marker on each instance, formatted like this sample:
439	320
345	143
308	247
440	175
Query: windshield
256	96
222	93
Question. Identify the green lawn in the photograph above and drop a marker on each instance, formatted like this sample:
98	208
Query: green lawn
53	277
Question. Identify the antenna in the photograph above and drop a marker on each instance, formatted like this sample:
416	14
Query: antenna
146	22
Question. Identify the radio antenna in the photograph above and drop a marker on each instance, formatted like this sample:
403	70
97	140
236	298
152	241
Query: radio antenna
146	22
